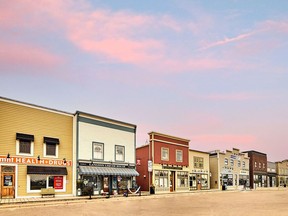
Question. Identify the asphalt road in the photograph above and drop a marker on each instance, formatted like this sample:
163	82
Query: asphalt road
223	203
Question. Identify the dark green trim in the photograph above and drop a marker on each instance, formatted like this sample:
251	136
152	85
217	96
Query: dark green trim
105	124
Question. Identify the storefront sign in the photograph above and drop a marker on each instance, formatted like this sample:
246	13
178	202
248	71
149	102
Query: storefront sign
106	165
34	161
171	167
150	166
58	182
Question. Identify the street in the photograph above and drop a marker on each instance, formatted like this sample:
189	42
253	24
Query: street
222	203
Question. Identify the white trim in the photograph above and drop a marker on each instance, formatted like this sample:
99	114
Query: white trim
178	150
163	141
50	156
23	154
162	148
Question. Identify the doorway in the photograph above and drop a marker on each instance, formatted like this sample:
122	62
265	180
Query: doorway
172	181
8	182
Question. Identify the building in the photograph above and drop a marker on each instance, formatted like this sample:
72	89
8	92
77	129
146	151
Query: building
257	169
105	154
163	163
199	171
35	150
282	173
229	169
271	174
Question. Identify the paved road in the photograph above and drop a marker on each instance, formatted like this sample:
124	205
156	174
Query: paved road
224	203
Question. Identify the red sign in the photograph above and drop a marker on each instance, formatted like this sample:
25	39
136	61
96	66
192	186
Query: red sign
138	162
58	182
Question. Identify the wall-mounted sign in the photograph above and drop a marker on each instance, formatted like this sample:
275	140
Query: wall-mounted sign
150	166
138	162
171	167
58	182
29	160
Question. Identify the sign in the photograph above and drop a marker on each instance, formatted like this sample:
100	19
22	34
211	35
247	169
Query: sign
106	165
58	182
150	166
34	161
172	167
138	162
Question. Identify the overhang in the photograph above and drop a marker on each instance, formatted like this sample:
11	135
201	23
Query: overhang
112	171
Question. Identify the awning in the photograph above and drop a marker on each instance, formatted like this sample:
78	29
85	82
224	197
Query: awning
51	140
26	137
114	171
41	170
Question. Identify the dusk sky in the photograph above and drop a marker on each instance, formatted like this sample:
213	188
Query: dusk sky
214	72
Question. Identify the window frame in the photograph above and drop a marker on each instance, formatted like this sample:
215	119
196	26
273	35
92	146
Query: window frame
162	158
93	151
119	146
47	183
45	150
178	150
198	162
18	148
226	161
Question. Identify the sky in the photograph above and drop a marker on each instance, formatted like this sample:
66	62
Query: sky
213	72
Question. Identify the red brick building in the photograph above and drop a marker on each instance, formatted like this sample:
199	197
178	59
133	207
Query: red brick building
163	163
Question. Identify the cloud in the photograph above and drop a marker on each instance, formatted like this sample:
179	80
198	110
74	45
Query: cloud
231	96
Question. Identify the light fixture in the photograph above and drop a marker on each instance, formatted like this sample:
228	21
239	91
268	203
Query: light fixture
38	158
64	160
8	155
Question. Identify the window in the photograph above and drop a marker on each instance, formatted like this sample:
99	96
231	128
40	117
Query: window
161	179
255	164
243	164
119	153
231	162
164	154
36	182
51	147
199	162
259	165
182	179
24	144
239	163
263	165
226	161
179	156
98	151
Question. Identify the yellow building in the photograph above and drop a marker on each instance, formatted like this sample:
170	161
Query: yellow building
282	173
36	146
229	170
199	171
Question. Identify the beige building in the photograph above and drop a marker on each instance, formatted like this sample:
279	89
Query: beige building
282	173
199	170
35	150
229	170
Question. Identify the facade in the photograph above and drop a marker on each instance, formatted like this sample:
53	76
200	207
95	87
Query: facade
258	169
163	163
282	173
199	171
35	150
105	153
229	169
271	174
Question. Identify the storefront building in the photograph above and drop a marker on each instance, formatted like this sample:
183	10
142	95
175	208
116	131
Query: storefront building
163	163
282	173
105	152
271	174
199	172
35	150
258	169
229	170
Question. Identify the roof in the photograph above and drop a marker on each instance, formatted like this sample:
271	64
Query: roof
169	136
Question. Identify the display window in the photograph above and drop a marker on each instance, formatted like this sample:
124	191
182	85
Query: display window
36	182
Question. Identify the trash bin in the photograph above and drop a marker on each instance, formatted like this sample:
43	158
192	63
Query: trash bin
224	187
152	190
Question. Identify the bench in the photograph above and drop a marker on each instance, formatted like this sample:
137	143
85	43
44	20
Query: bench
47	192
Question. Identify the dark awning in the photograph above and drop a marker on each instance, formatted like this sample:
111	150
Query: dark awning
27	137
51	140
41	170
114	171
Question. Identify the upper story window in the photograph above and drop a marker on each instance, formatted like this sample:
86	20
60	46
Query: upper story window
255	164
243	164
24	144
198	162
226	161
51	147
179	156
231	162
164	154
263	165
259	165
98	151
119	153
239	163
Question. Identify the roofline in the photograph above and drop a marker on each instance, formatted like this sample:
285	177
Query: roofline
169	136
199	151
104	118
143	146
34	106
255	152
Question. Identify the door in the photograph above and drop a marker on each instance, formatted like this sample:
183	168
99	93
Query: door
106	184
7	185
172	181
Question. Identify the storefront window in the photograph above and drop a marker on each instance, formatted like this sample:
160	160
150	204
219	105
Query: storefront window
161	178
227	179
182	179
44	181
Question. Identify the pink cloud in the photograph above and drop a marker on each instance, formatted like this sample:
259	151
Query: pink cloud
20	55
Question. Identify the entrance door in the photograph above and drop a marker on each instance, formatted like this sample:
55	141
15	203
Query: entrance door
7	182
172	181
106	184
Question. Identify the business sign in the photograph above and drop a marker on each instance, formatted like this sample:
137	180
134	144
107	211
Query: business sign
150	166
58	182
34	161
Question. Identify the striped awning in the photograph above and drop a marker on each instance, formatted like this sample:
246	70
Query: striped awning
114	171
